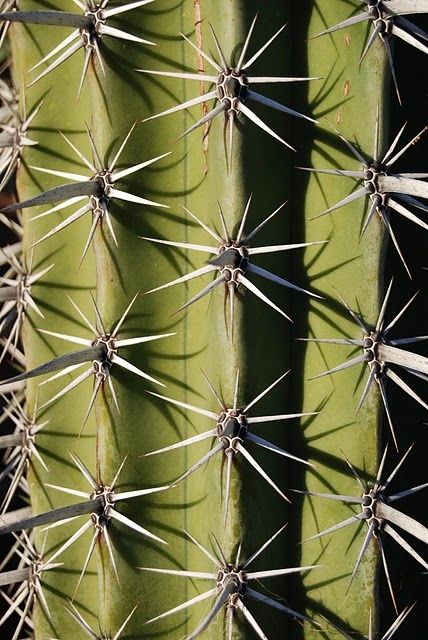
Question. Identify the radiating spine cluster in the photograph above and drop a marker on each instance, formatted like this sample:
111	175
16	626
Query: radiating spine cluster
230	261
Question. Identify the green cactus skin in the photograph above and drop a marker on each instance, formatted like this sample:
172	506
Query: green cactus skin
196	175
59	437
357	436
201	332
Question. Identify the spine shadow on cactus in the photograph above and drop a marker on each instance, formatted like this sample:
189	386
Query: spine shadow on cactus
263	344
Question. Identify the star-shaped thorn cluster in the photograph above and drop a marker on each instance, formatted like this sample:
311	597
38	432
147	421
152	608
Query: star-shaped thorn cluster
387	20
15	294
379	516
103	498
101	352
231	88
232	261
382	354
386	191
29	580
232	433
20	447
231	588
99	188
88	29
14	137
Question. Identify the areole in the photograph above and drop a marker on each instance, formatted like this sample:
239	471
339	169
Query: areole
210	474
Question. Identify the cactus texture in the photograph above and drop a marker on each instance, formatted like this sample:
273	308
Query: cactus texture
212	319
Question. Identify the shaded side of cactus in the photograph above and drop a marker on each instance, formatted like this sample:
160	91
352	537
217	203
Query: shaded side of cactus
221	353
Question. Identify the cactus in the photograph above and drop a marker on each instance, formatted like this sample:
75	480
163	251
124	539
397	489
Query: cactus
158	151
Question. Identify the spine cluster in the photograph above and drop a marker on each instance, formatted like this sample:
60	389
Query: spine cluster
133	487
